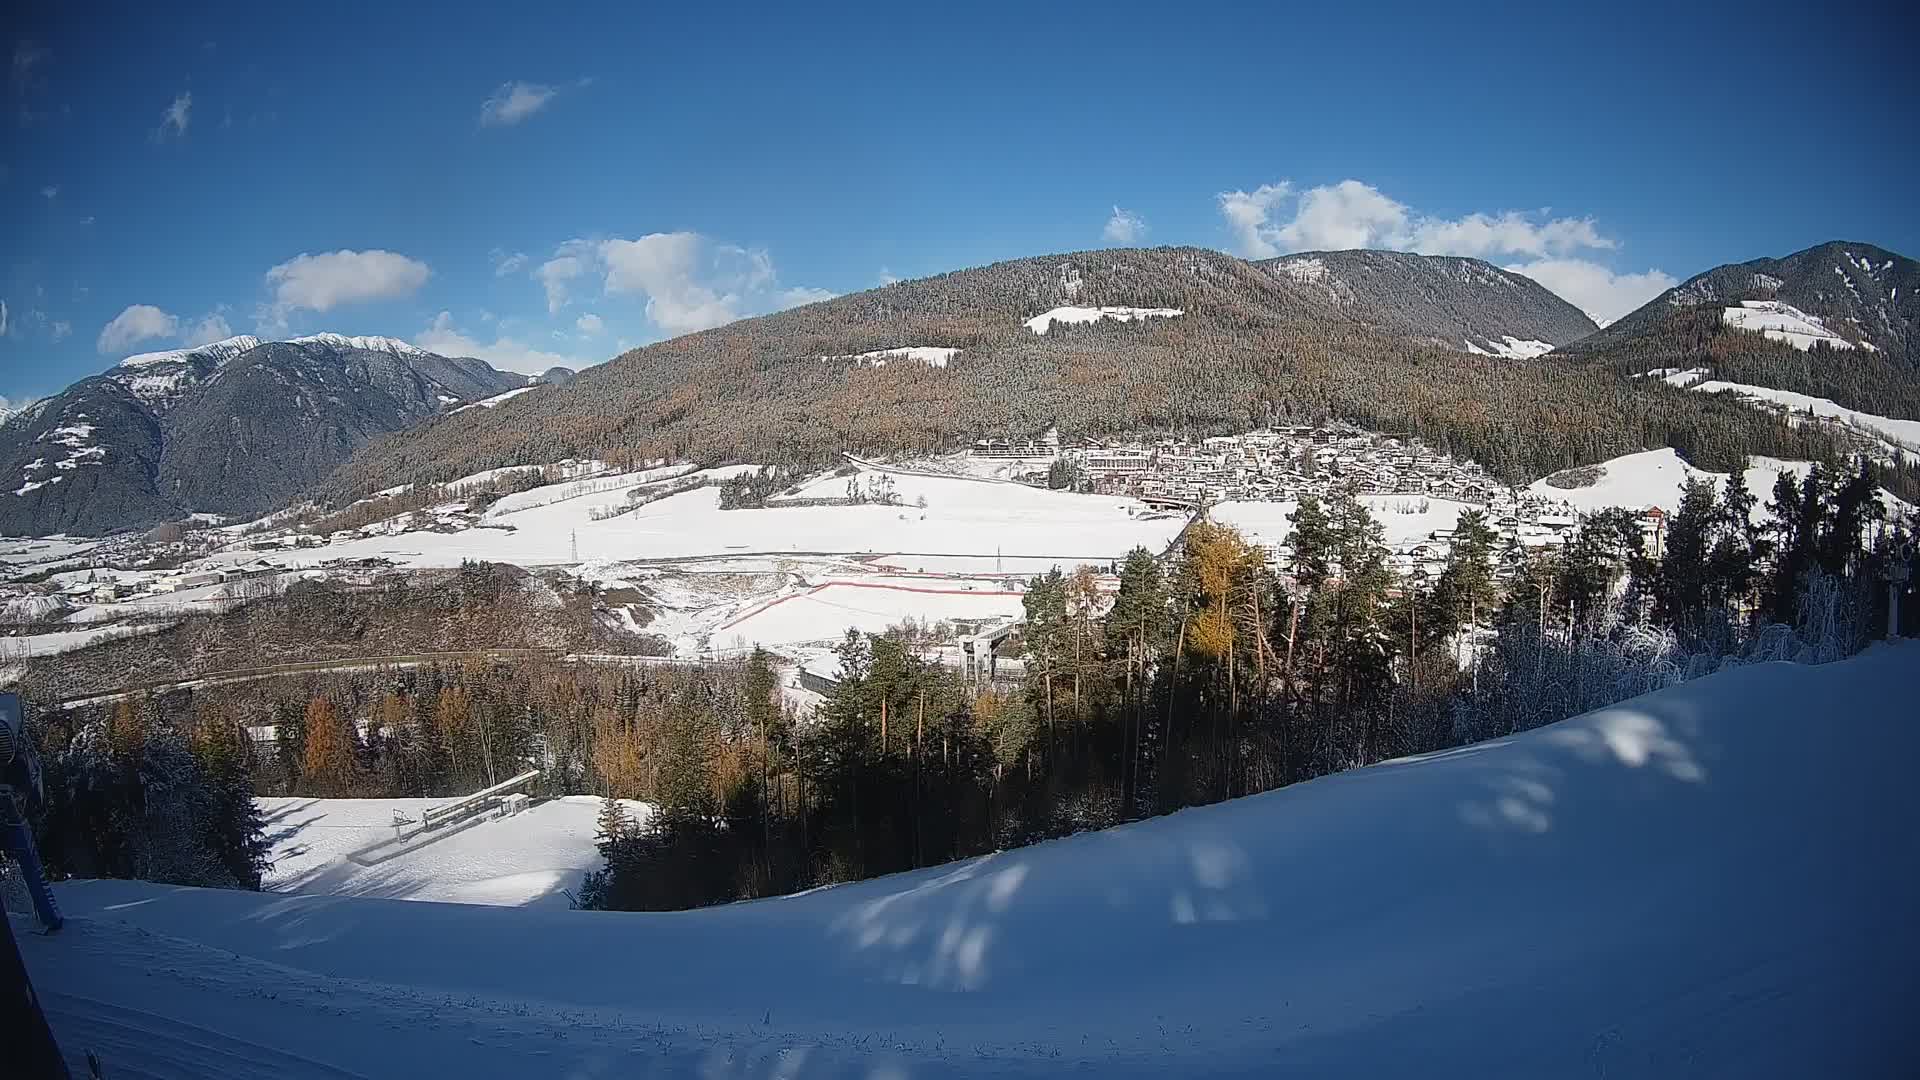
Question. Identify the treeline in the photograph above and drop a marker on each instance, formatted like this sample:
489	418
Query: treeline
1223	674
130	796
1252	348
161	787
476	606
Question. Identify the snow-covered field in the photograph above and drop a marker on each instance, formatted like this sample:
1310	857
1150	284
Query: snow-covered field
517	861
706	567
1783	322
1659	477
1710	881
1405	519
1511	347
1044	321
962	516
825	612
930	355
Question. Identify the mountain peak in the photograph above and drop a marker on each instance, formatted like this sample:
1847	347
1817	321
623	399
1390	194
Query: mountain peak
371	343
217	351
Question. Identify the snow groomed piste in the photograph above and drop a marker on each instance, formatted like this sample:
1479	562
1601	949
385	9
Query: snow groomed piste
1717	879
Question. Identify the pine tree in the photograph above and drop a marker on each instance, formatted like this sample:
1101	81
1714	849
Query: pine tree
1682	583
1467	589
613	823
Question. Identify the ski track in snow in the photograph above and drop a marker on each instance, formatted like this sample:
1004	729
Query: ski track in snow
1692	883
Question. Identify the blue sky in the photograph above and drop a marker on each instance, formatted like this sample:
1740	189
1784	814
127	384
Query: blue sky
541	186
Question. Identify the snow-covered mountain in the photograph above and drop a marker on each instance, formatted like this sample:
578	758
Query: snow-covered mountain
230	427
159	378
1710	880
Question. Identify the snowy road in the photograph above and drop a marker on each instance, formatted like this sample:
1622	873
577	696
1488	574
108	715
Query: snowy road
1714	880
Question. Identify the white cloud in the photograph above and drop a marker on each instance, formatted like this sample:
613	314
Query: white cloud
504	264
88	220
144	322
672	271
173	122
590	324
1247	214
1124	227
3	318
555	273
50	190
691	283
1601	293
139	322
507	354
1351	214
888	277
326	281
212	327
514	102
1273	220
61	329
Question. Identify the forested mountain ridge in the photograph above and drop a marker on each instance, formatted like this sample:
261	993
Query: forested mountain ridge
234	427
1795	326
1452	302
1860	293
1251	346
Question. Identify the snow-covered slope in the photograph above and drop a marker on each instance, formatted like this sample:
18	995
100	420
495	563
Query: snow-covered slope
1900	436
393	346
1657	478
526	859
1044	321
930	355
1511	347
1713	880
1783	322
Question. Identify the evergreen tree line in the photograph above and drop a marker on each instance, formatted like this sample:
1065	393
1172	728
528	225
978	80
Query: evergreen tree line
130	797
1222	673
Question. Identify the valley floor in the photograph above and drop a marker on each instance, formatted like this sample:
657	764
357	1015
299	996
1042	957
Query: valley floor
1717	879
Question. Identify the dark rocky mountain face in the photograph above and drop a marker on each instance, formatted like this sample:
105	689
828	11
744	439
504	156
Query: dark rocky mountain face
236	427
1858	292
1461	304
81	461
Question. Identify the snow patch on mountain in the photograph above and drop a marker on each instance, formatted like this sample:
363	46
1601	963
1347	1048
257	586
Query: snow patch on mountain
1783	322
1304	271
1511	347
930	355
489	403
371	344
1044	321
217	351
